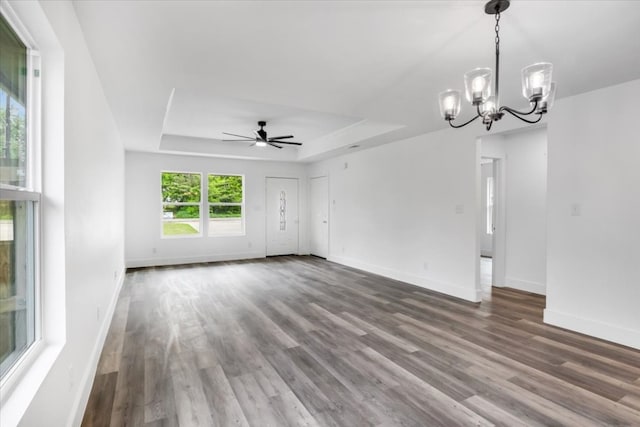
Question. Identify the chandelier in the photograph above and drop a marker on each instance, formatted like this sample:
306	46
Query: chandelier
537	87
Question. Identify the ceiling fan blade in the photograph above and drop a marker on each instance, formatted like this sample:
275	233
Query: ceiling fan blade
280	137
238	140
287	142
273	145
239	136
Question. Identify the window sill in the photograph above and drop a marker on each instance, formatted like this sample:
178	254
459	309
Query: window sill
21	386
182	236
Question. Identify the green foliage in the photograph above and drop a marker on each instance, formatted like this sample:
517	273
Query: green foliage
7	210
13	138
180	187
183	212
225	189
225	211
177	228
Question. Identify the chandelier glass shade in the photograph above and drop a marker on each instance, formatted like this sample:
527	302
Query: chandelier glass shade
537	87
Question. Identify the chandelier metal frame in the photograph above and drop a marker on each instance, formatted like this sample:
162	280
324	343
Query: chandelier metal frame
538	88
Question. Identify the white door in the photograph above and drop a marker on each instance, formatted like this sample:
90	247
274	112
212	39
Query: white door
282	216
319	209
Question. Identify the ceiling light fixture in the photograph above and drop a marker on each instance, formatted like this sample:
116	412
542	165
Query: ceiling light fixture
537	86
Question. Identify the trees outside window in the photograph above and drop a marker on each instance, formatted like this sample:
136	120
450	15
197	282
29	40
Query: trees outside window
181	201
226	204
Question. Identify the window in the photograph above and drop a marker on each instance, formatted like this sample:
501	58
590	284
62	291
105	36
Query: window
181	201
226	204
490	199
19	203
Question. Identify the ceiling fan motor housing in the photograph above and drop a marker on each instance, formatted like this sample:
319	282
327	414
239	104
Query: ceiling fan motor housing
262	132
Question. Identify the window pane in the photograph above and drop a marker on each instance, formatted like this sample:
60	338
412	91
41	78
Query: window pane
225	189
180	187
13	103
17	292
225	220
490	197
180	220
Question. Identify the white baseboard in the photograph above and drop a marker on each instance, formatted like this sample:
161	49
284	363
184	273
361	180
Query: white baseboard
80	402
524	285
154	262
465	293
594	328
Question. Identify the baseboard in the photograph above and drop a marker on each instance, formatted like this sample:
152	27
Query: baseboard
154	262
594	328
524	285
79	405
468	294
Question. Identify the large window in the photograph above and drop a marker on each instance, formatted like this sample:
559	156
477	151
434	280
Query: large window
19	202
226	200
181	201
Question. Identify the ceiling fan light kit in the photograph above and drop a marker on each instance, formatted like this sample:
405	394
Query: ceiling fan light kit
537	87
261	139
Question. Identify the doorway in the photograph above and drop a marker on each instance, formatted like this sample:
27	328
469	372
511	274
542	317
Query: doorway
282	216
319	216
511	224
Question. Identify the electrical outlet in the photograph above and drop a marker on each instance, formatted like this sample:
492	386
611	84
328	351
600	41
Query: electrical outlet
154	251
576	209
425	266
459	209
346	165
249	244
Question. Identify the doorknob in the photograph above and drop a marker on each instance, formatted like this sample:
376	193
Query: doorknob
324	222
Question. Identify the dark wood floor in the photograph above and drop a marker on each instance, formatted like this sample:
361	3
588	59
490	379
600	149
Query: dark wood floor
300	341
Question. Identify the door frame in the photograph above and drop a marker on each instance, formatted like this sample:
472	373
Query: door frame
499	258
326	176
266	225
498	262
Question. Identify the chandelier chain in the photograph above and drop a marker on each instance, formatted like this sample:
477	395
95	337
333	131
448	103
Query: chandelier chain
498	31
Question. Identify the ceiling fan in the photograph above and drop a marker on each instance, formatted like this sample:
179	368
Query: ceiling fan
261	139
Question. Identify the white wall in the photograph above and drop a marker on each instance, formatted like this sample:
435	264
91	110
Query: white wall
393	210
526	210
593	268
144	245
93	225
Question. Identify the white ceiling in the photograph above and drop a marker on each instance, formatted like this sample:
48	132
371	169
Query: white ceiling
333	73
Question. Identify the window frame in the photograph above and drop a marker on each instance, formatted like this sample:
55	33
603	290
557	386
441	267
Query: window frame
30	192
208	204
199	204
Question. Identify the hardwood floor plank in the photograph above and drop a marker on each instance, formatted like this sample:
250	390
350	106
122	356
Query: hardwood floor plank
192	407
493	413
449	409
255	404
224	406
299	341
98	412
386	336
338	321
